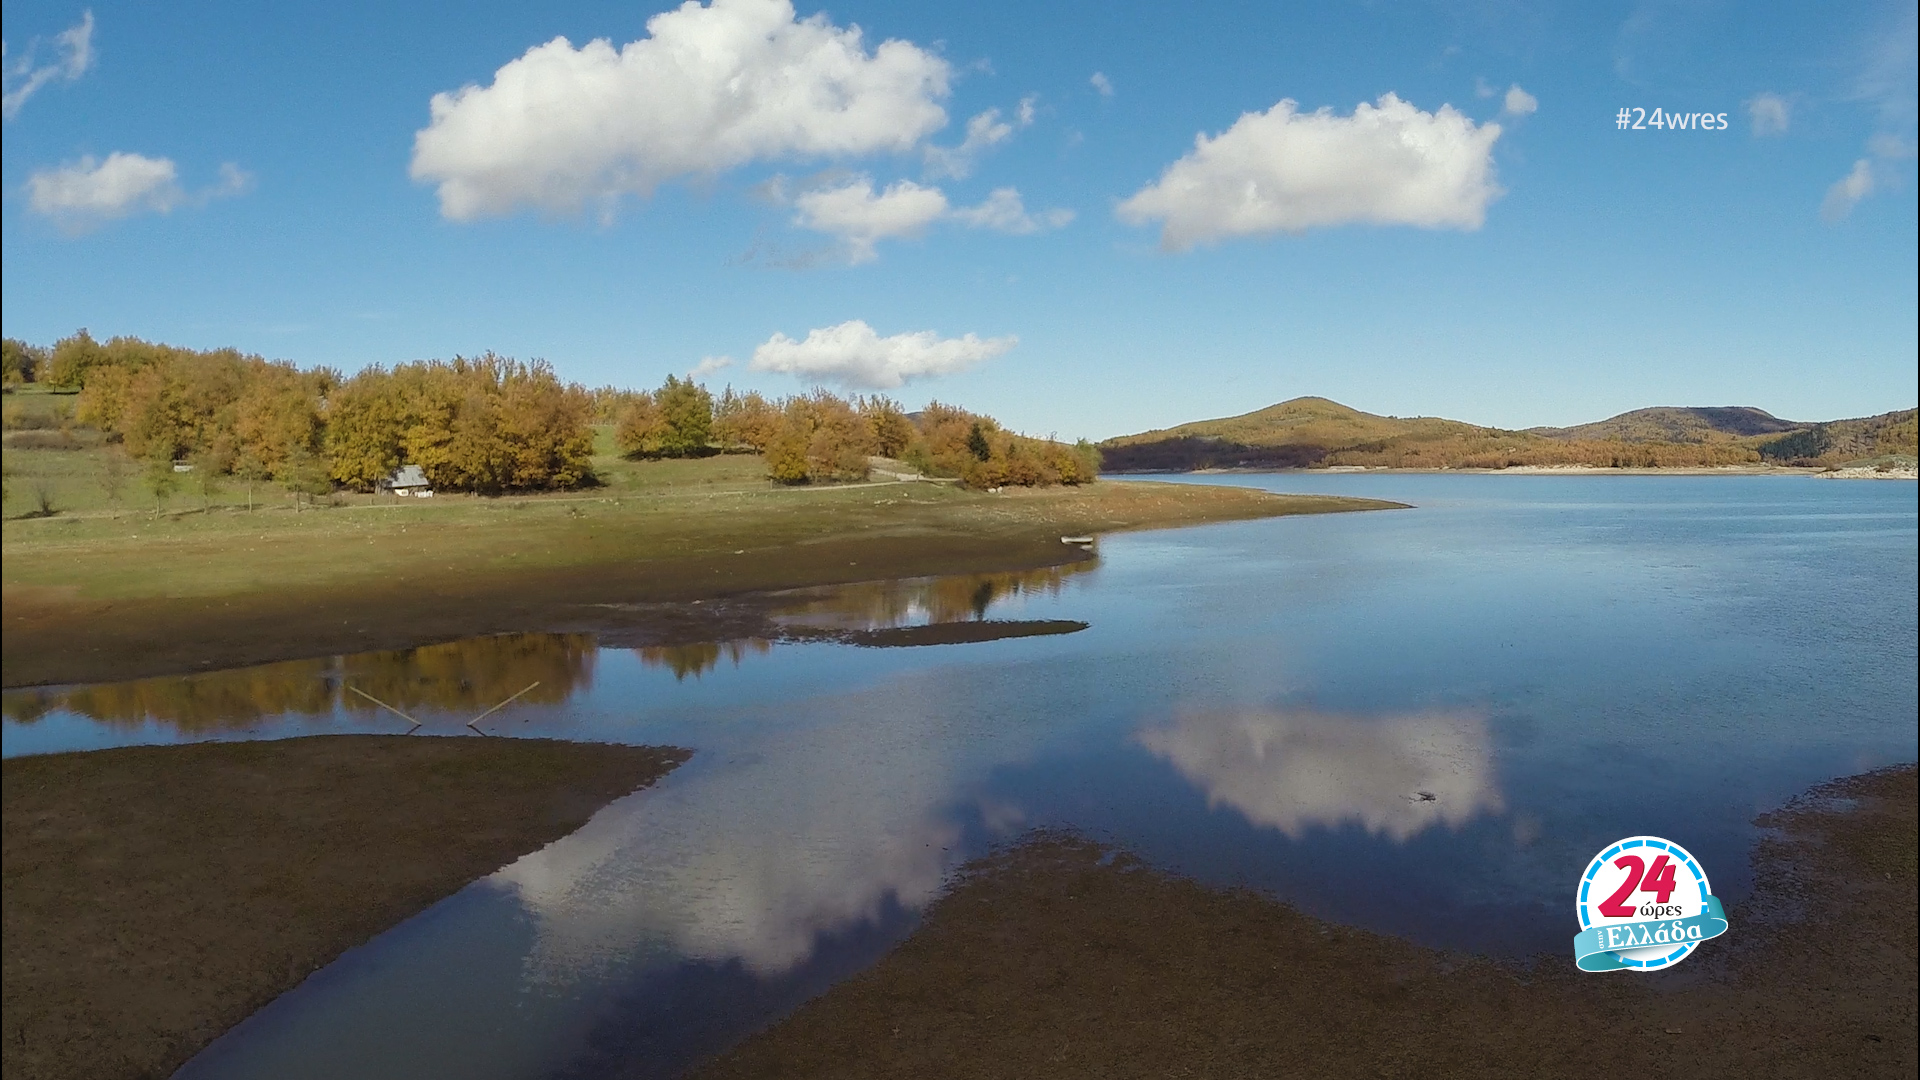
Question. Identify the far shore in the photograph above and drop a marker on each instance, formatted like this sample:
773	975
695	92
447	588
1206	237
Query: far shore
130	597
1567	470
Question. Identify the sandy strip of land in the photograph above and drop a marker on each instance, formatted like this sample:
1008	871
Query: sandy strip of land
155	896
194	597
1050	961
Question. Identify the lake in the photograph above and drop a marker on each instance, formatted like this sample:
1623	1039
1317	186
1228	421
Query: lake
1422	722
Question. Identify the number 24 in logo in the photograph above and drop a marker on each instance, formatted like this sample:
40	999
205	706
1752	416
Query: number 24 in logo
1644	904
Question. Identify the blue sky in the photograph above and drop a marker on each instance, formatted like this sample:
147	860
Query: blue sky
1404	259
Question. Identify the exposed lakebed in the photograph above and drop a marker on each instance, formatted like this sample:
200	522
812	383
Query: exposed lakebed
1421	722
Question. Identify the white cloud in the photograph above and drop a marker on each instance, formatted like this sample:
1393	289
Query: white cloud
1847	192
1005	212
1102	84
88	191
984	132
1770	114
860	218
854	356
708	365
1891	147
1281	170
1026	109
23	78
233	181
710	89
1482	88
85	193
1519	102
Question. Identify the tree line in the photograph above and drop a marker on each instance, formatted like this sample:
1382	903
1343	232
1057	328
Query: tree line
820	436
492	424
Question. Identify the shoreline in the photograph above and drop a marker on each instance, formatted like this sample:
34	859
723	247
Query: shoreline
695	577
156	896
1060	957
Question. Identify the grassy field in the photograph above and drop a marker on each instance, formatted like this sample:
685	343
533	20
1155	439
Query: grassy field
111	588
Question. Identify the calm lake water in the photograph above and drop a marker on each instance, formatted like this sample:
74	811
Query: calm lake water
1422	722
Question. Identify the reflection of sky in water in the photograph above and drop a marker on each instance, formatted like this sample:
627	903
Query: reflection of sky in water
1293	769
1558	662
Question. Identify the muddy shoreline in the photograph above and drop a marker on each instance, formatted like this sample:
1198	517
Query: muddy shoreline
1060	959
674	596
157	896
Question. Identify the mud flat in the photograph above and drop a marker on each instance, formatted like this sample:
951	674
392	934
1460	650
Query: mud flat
1058	959
155	896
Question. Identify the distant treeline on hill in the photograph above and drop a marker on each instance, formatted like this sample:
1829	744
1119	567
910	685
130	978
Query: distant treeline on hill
491	424
1317	433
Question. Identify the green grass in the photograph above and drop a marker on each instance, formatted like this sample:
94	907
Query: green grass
214	545
84	483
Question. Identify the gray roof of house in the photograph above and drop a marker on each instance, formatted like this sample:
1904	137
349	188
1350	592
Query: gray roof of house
410	476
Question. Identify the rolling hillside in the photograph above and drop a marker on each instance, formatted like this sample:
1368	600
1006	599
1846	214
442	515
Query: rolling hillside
1312	432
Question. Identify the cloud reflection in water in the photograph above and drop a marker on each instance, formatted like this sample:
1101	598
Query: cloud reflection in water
1294	769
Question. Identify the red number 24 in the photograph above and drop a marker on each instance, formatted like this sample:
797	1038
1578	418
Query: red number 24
1658	881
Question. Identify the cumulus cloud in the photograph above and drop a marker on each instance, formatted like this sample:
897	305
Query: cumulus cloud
860	218
1102	84
1283	170
24	77
1847	192
850	210
709	89
1003	211
854	356
708	365
1770	114
1519	102
89	192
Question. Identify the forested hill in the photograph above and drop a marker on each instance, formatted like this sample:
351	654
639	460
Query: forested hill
1312	432
1677	425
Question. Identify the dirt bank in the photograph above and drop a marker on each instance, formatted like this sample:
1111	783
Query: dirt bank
208	596
1045	962
155	896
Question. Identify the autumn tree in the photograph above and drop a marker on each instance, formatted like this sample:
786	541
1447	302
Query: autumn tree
23	363
820	438
686	409
640	426
745	420
889	431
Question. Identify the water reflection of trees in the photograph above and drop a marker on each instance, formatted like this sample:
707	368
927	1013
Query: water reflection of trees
701	657
470	676
874	605
458	676
474	674
1293	769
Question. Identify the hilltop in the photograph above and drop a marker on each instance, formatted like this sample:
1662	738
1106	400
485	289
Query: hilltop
1677	425
1314	432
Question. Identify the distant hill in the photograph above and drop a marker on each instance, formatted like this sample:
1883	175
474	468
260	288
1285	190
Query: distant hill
1311	432
1677	425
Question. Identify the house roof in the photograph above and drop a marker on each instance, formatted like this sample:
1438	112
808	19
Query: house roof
409	476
